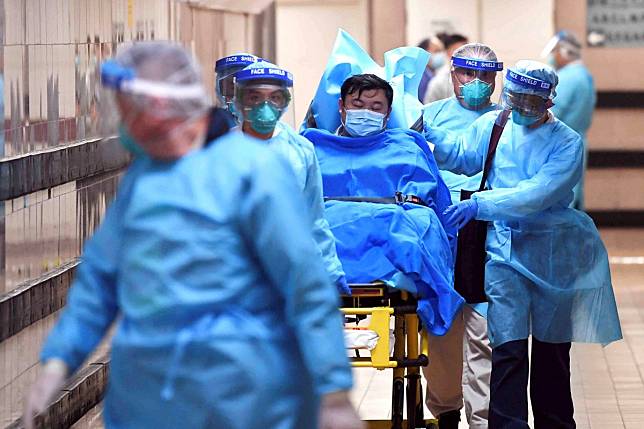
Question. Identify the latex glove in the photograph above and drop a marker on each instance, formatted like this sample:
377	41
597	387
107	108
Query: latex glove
458	215
336	412
47	385
343	286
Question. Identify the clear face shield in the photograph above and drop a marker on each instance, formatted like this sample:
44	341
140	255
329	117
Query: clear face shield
524	104
262	105
262	100
526	97
145	111
225	70
225	87
475	79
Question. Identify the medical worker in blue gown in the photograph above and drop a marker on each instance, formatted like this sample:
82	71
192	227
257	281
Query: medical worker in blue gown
450	383
576	96
547	272
225	317
262	96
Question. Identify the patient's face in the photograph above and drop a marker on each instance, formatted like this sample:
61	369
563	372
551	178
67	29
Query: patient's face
371	99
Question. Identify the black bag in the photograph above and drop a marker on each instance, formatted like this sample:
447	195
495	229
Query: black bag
469	274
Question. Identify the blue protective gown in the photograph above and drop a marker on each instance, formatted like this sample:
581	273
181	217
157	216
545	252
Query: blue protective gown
574	105
225	315
383	241
300	154
547	272
450	115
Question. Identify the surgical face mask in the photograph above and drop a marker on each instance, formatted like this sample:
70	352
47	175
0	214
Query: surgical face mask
522	119
128	142
263	117
438	60
552	62
364	122
476	92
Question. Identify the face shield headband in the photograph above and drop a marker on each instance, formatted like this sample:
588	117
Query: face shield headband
529	83
122	79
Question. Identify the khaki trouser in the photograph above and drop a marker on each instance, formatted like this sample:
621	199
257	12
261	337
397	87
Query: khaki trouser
459	369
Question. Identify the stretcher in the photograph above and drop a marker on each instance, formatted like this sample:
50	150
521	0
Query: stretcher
405	356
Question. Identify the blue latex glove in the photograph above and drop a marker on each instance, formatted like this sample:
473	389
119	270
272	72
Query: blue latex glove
343	286
458	215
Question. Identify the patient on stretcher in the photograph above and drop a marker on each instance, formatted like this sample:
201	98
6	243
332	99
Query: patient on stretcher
385	200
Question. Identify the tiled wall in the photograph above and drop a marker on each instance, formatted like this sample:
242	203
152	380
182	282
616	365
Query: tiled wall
49	96
51	53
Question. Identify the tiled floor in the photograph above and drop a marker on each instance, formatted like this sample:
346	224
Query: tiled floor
608	383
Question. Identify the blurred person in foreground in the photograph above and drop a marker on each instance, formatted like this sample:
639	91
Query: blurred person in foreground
225	317
576	96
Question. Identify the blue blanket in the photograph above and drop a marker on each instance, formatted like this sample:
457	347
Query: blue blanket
387	241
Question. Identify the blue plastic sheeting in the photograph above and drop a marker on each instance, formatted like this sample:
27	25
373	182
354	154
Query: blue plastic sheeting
403	70
381	241
225	315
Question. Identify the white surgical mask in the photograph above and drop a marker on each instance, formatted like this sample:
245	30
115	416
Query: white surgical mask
364	122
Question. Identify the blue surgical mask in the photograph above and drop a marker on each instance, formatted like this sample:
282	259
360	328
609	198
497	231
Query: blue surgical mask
552	62
263	118
476	93
525	120
438	60
364	122
128	142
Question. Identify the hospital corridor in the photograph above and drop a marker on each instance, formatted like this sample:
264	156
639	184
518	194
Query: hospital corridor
338	214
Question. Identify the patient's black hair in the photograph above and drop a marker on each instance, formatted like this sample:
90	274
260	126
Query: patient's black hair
363	82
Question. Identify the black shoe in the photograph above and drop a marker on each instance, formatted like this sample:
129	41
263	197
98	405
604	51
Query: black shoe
449	420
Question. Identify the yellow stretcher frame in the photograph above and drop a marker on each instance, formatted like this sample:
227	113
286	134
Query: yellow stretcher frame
408	357
380	323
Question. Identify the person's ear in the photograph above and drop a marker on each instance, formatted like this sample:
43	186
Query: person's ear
387	116
549	104
340	105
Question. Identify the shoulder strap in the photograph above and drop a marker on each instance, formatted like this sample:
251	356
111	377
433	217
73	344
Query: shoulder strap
497	130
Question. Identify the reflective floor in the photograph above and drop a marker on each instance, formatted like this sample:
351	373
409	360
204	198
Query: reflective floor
608	383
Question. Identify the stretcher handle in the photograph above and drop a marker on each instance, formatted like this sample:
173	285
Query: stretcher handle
404	309
421	360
